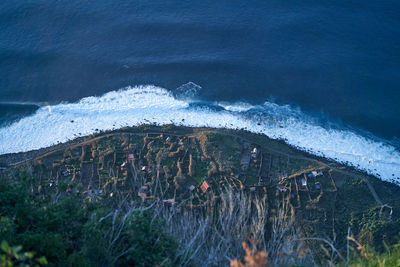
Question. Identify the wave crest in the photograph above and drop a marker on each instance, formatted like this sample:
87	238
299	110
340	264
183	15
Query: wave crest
132	106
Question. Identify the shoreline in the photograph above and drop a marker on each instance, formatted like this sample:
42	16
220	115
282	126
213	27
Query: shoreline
133	106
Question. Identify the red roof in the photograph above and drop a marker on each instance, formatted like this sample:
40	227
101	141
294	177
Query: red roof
142	195
282	188
204	186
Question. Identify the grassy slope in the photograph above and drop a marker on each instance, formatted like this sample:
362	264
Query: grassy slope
93	163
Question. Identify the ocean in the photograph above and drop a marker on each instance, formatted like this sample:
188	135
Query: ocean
321	75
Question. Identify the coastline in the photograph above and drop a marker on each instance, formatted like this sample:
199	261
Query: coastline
134	106
280	146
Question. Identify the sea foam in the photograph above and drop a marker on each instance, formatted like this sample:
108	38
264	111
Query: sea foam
133	106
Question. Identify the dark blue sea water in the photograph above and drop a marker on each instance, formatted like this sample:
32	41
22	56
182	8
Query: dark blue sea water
335	62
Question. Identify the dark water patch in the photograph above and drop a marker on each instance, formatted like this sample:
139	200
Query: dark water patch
338	58
10	112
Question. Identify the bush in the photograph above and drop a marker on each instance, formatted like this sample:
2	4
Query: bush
69	232
10	256
389	258
133	239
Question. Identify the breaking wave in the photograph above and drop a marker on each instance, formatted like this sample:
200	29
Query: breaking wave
133	106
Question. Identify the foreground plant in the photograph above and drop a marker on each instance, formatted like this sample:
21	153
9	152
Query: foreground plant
13	256
252	258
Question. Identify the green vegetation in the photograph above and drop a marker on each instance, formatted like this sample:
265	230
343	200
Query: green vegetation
364	256
10	256
134	197
69	232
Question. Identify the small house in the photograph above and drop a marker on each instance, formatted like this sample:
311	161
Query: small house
146	169
204	186
142	195
316	173
170	201
281	188
252	189
303	182
192	187
254	152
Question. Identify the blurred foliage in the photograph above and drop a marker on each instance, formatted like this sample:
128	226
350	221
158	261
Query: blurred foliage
67	232
13	256
253	258
373	231
368	257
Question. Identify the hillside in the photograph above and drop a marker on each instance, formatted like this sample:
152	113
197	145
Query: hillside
204	190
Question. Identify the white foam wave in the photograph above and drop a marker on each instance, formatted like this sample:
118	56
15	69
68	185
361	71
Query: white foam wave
149	104
236	107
